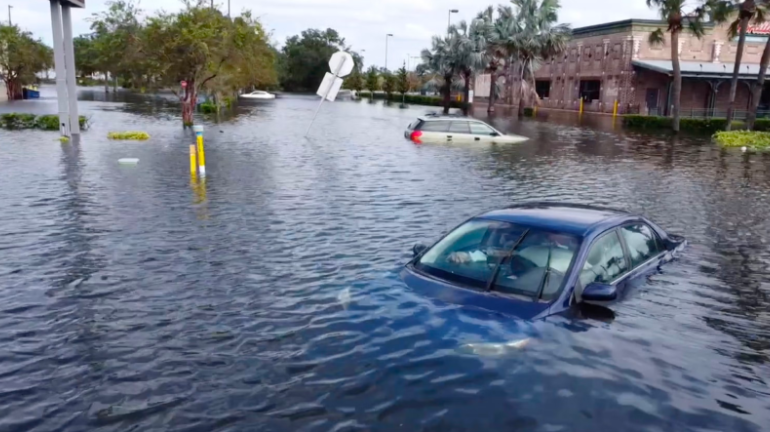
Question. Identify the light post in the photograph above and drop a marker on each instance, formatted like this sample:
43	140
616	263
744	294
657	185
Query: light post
449	19
10	23
386	49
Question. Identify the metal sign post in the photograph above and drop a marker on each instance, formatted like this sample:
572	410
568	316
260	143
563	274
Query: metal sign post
64	61
342	64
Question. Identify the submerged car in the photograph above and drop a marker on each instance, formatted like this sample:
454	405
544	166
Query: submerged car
534	260
453	129
258	95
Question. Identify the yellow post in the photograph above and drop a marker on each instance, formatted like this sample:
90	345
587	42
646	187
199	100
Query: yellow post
534	112
615	109
193	161
201	156
581	106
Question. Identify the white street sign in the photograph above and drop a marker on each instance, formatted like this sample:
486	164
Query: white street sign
329	88
342	63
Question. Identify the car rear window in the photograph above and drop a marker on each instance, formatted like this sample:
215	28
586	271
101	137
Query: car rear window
459	127
415	124
434	126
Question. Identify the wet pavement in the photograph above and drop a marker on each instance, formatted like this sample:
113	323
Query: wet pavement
268	298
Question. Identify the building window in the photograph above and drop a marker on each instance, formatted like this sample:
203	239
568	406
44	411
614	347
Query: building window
590	89
543	88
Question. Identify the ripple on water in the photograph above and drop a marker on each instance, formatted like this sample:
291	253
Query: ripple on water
268	298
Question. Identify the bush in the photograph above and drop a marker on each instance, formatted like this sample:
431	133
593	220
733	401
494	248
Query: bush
742	138
412	99
30	121
17	121
207	107
134	136
529	112
695	125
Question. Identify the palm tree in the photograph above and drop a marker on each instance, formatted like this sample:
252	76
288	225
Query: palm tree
539	39
440	61
747	11
505	36
487	32
672	11
763	8
468	53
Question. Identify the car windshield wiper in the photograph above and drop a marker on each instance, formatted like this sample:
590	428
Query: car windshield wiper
504	259
546	273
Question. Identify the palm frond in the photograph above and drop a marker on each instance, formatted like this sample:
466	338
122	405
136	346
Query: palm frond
734	29
656	37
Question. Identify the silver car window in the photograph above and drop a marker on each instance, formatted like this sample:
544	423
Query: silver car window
435	126
481	129
459	127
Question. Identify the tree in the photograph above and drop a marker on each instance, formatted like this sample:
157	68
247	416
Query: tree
388	84
539	40
354	81
207	50
372	80
21	58
439	60
402	81
468	53
307	57
85	55
673	13
756	92
116	40
747	12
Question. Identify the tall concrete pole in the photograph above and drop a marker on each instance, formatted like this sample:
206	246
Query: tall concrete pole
61	72
69	61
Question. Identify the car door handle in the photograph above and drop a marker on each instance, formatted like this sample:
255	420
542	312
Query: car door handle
449	136
477	139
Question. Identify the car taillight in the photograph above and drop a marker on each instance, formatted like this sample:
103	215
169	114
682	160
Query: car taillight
415	136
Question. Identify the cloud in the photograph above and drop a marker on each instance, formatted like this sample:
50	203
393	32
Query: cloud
362	24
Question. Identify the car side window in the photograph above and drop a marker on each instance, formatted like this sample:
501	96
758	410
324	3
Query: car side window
606	260
459	127
434	126
481	129
642	243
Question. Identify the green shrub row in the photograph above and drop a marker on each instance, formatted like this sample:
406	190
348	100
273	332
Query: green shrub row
17	121
743	138
697	125
412	99
529	112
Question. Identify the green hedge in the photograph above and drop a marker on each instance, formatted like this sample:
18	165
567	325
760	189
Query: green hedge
529	112
697	125
412	99
30	121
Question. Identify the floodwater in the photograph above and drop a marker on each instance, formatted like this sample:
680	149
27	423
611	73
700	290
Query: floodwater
267	297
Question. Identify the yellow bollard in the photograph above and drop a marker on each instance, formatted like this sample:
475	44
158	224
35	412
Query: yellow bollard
615	109
201	156
581	106
193	161
534	112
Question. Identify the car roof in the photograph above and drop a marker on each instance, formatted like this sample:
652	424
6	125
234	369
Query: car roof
575	219
445	117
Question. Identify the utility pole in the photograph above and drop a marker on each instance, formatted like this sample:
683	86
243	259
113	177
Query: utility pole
10	23
228	9
386	49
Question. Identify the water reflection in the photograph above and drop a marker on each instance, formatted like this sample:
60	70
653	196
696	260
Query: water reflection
266	297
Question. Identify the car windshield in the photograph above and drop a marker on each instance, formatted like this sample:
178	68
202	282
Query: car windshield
521	260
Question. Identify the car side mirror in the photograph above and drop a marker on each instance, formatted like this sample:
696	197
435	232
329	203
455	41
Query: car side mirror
599	292
418	249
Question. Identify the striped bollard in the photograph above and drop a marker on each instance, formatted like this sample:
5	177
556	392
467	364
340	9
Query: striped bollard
201	157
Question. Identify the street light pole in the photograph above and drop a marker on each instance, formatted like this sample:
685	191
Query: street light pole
10	23
449	19
386	49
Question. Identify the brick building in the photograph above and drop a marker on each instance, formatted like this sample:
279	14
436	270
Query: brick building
615	61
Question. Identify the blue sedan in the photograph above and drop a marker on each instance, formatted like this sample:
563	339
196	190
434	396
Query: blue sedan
538	259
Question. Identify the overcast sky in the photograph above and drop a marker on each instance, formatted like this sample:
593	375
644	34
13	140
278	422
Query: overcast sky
362	24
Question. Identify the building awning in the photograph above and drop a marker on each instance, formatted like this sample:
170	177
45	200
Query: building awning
700	69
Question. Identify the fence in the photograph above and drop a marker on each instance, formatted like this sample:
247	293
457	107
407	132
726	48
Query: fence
710	113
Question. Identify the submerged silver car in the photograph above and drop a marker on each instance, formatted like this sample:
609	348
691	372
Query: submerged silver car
453	129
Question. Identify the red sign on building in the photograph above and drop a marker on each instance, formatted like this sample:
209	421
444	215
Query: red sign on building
759	29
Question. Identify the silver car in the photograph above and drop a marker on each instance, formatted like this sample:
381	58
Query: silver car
453	129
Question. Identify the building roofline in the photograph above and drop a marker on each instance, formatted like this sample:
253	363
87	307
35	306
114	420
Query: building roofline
619	25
